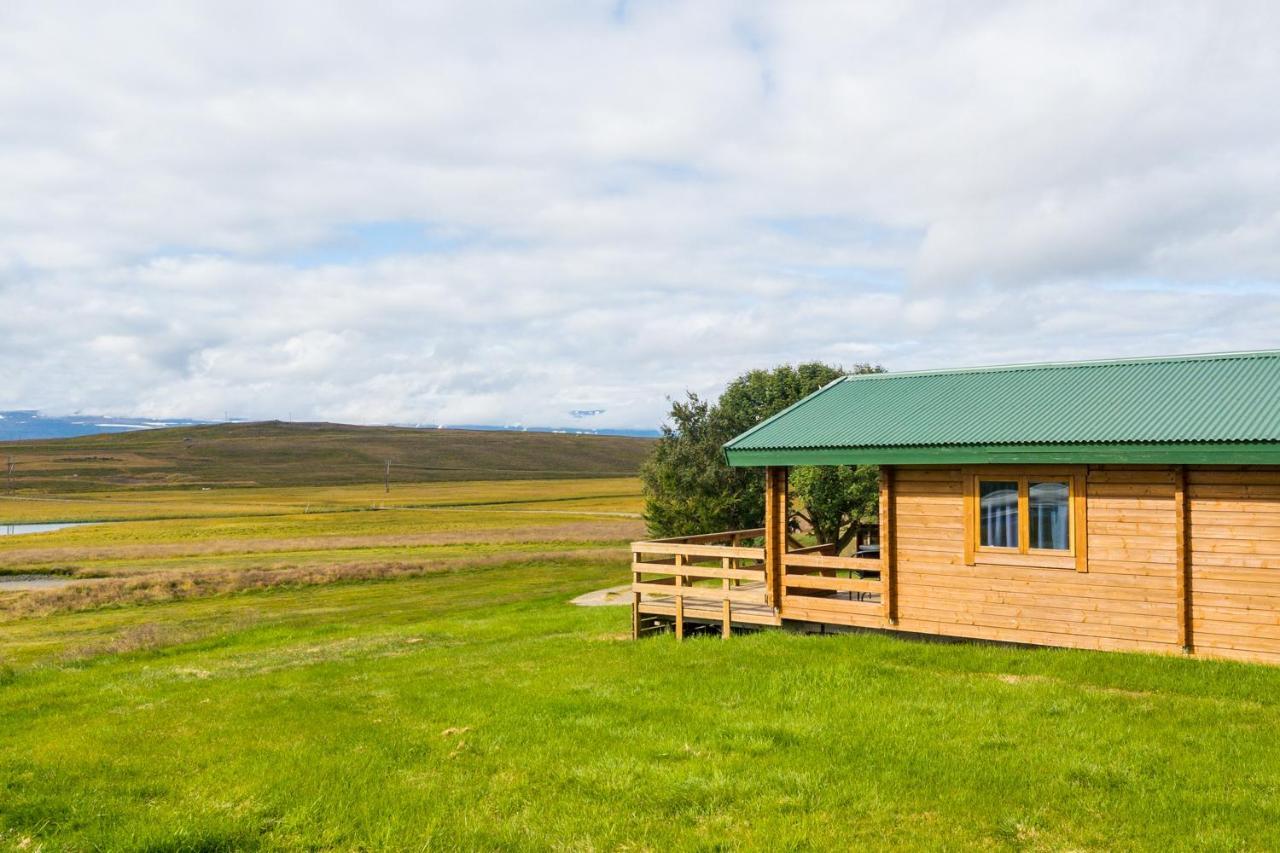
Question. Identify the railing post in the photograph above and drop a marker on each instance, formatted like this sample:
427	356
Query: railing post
888	547
726	629
679	561
775	532
635	599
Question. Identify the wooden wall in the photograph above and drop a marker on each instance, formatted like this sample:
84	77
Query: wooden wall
1126	600
1234	516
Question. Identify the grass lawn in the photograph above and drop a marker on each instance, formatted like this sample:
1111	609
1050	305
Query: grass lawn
476	709
272	677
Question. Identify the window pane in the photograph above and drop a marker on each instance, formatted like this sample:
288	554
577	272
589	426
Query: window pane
999	513
1050	512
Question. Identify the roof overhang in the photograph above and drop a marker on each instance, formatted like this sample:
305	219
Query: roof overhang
1180	453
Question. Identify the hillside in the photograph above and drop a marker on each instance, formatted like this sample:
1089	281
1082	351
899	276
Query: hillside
289	454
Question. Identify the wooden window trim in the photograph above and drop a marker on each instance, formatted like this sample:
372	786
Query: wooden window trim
1074	557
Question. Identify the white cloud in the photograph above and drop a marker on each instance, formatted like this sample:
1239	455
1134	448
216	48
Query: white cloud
482	212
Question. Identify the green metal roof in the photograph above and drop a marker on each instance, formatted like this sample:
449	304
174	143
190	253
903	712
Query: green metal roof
1199	408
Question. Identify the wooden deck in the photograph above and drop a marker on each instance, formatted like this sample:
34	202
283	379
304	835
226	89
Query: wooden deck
719	579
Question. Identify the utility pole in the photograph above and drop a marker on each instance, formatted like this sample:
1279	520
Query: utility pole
387	481
8	473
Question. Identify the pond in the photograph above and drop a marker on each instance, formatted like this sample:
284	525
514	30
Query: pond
15	583
20	529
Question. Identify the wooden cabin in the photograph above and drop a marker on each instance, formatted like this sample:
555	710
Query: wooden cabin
1131	505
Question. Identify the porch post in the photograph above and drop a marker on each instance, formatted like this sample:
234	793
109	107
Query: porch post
775	532
888	547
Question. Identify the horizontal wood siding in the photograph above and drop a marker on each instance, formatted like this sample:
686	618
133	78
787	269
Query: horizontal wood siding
1126	599
1234	516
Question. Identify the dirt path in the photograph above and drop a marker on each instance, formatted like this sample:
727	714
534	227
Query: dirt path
614	596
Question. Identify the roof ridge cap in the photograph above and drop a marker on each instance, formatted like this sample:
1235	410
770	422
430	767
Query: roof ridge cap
1018	367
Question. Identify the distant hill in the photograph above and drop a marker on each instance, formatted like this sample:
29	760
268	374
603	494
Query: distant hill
285	454
20	425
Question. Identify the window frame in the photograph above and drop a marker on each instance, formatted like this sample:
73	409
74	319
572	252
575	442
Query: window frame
1075	556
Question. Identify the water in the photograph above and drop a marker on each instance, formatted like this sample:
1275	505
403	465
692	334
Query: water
20	529
14	583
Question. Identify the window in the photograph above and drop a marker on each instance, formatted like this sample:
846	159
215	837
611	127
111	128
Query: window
1048	513
999	509
1029	515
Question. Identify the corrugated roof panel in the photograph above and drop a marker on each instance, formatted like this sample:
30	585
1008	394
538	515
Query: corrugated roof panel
1231	397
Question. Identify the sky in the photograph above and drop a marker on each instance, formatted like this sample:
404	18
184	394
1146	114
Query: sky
563	213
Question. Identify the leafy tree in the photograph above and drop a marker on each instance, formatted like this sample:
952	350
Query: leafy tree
836	499
690	489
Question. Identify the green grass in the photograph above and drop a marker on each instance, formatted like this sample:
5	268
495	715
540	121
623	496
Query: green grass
240	683
477	709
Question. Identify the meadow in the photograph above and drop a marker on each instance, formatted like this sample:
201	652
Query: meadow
336	667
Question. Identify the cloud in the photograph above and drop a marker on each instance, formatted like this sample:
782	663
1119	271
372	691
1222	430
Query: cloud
482	212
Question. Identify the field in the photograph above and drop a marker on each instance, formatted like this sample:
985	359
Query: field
337	667
289	454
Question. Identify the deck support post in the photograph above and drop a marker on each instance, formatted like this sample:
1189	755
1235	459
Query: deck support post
775	532
888	547
1182	554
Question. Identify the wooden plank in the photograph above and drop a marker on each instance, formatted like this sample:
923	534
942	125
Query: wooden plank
833	584
1247	525
726	624
1110	630
775	522
705	538
1129	490
704	593
679	582
969	522
1133	475
914	474
1043	638
1182	569
1201	559
825	548
1035	560
1244	545
704	552
1135	541
1080	509
1163	607
871	618
1158	617
1061	582
635	607
1126	504
818	561
888	546
711	615
699	571
1132	527
950	488
1215	637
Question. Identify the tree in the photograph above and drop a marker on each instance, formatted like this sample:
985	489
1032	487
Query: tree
836	500
690	489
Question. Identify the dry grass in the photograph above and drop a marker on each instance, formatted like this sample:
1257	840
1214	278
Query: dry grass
179	585
583	531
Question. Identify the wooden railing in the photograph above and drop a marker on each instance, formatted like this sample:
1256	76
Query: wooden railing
701	576
818	586
716	578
